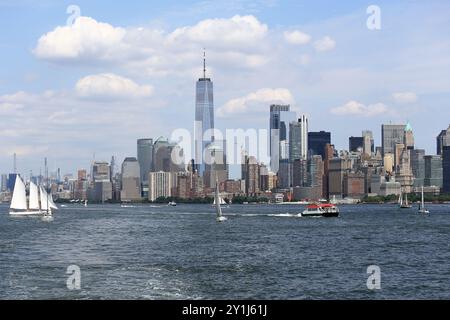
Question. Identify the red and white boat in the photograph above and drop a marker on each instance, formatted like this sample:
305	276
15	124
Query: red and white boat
320	210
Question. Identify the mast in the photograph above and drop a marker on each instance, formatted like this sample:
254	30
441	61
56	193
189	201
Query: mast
46	178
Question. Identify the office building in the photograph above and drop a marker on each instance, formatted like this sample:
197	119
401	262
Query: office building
215	164
442	139
100	171
167	156
409	137
418	166
391	135
280	118
317	142
355	144
145	158
160	185
433	171
4	183
131	180
298	139
446	169
368	142
204	118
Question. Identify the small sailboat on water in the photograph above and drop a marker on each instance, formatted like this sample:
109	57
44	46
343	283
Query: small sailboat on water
220	217
404	204
422	205
39	201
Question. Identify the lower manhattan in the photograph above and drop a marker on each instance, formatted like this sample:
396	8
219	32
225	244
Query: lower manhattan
225	155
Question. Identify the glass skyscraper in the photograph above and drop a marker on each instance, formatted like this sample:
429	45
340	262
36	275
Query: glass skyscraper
204	118
317	142
391	135
280	118
145	158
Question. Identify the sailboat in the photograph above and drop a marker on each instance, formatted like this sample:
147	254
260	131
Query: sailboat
422	205
404	204
220	217
39	203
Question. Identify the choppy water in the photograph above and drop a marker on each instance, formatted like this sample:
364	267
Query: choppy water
261	252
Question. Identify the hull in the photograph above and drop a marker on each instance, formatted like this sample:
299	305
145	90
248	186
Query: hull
27	213
221	219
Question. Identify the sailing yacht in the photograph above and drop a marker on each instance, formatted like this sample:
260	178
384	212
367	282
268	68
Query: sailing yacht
422	205
220	217
39	202
404	204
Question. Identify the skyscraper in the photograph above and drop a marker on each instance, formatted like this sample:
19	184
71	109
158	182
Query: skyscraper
131	184
418	166
355	144
317	142
298	139
446	161
433	174
145	158
204	117
409	137
440	142
368	142
280	118
160	184
391	135
163	151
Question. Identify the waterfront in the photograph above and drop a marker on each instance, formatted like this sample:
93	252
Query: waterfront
261	252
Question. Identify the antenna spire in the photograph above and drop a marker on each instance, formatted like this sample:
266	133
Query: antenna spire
204	63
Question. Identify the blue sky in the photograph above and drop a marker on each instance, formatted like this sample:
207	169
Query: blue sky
128	70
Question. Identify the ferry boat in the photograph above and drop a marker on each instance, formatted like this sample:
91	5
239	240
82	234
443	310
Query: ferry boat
320	210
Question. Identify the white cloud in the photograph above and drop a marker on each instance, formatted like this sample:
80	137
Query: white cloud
296	37
256	100
405	97
85	39
234	32
324	44
109	85
359	109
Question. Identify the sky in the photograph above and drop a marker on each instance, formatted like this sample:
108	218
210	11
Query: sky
77	88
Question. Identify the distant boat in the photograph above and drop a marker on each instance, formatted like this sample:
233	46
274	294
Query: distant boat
404	204
39	202
219	217
222	202
422	205
172	204
320	210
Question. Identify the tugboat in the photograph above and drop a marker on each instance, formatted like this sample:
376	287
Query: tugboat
320	210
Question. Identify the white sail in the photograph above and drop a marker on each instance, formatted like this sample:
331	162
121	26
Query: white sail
19	198
34	197
51	202
217	200
44	199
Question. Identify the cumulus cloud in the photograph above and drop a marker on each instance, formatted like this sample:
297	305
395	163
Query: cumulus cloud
108	85
85	39
296	37
239	38
235	32
405	97
324	44
261	97
359	109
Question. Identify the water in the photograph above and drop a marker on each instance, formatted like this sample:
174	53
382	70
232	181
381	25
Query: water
261	252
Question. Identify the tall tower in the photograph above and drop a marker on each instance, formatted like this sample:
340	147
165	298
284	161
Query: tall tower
204	117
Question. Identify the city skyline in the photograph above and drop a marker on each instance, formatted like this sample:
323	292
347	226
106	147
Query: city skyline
49	103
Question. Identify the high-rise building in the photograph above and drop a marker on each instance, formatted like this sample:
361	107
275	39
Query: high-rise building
280	118
163	151
337	169
368	142
298	139
145	158
216	163
299	173
433	175
446	168
355	144
391	135
100	171
160	184
418	166
131	180
317	142
4	183
204	118
11	181
409	137
251	175
440	142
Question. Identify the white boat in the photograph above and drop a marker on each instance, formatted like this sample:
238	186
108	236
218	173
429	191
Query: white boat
404	204
422	205
172	204
320	210
39	202
220	217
